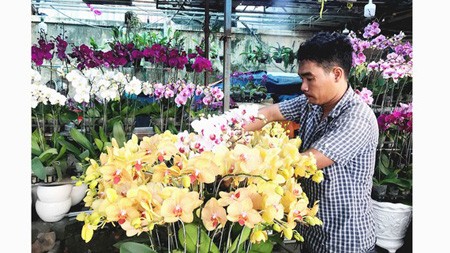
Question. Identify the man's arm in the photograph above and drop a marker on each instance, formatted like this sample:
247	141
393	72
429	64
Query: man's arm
321	160
265	115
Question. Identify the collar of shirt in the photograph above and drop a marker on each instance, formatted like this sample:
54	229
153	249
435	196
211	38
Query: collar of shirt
340	105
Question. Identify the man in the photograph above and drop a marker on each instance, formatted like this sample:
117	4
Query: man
342	133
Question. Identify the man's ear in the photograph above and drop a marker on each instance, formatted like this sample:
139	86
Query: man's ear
338	73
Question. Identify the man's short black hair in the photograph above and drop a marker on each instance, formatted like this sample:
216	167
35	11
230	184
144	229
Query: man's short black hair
328	50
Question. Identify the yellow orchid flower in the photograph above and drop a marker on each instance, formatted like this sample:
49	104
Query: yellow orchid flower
272	208
226	198
258	236
121	211
180	206
164	174
213	215
202	168
247	159
222	159
298	211
243	213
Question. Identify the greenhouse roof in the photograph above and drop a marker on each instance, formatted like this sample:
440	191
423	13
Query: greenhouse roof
292	15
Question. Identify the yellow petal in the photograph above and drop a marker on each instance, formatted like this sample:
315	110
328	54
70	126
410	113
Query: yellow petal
87	233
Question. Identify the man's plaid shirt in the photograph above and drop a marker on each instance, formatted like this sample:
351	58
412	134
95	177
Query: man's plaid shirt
349	137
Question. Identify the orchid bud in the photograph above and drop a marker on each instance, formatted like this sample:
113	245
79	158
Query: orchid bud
186	181
276	227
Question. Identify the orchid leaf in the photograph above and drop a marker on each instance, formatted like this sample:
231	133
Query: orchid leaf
61	153
47	154
70	147
35	149
38	168
82	140
134	247
262	247
99	143
383	164
84	155
191	239
119	133
240	239
102	134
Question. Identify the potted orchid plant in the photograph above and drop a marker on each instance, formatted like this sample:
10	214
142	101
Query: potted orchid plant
48	154
216	189
382	75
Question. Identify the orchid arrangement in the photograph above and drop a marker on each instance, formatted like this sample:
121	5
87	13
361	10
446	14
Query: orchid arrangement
382	76
116	96
215	189
394	164
382	65
47	107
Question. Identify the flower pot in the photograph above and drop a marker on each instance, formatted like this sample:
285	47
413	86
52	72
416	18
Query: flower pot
53	211
141	132
53	201
391	223
77	194
51	193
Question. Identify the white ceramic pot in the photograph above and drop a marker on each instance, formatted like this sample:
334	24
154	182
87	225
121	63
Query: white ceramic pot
52	212
33	194
391	223
78	193
53	192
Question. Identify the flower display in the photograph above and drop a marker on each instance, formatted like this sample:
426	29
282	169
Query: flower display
394	163
382	76
47	106
218	178
399	119
383	65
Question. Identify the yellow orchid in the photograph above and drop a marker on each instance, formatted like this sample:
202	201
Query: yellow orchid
90	224
226	198
272	208
243	213
222	159
164	174
180	206
298	210
213	215
202	168
121	211
258	236
248	179
247	159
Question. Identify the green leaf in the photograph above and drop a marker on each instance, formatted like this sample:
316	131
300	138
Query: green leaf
119	133
35	149
157	129
102	134
82	140
38	168
134	247
262	247
99	143
241	238
61	153
191	239
70	147
84	155
47	155
402	183
383	164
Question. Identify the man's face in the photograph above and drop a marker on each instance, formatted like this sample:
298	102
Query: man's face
317	84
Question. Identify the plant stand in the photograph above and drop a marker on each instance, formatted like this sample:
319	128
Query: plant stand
391	222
